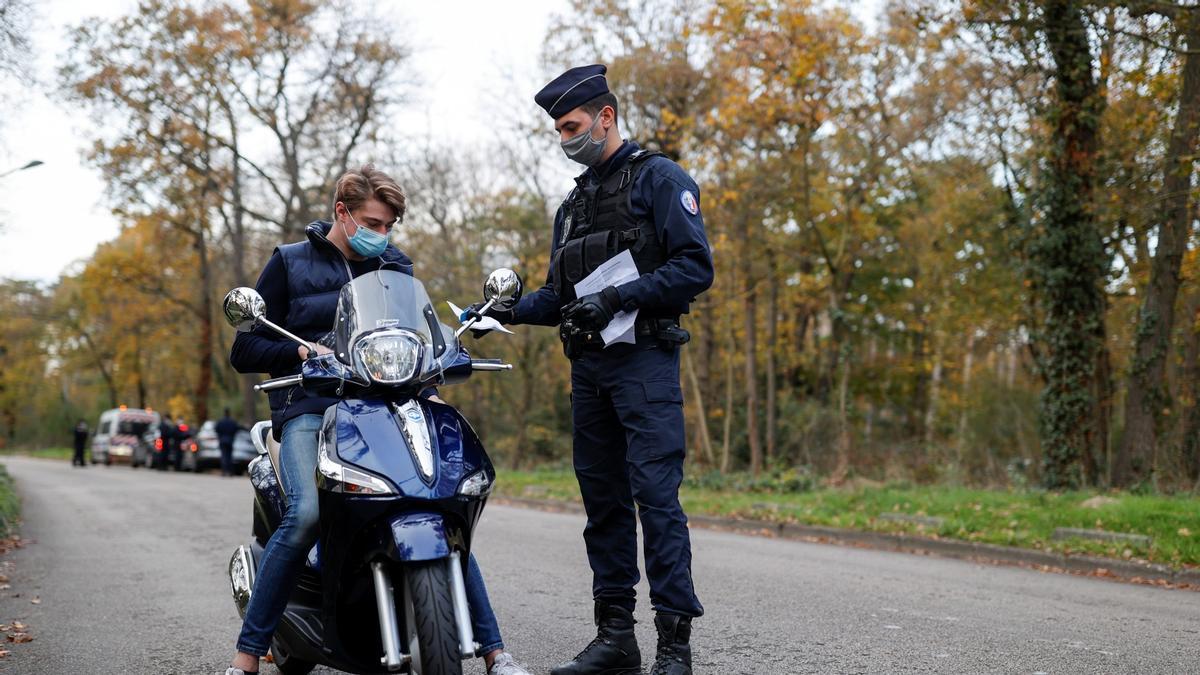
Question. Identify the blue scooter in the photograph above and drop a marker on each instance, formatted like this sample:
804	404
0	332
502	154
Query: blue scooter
402	483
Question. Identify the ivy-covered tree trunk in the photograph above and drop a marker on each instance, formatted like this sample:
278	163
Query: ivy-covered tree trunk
1148	401
1067	254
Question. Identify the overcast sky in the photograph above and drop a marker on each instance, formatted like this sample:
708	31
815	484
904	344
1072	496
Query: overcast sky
55	214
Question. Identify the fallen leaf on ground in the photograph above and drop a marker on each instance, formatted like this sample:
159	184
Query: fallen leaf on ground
18	626
20	637
36	600
4	653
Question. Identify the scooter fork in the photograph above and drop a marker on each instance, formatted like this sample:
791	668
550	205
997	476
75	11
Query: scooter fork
385	605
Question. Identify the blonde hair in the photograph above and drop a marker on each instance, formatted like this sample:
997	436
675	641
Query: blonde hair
357	186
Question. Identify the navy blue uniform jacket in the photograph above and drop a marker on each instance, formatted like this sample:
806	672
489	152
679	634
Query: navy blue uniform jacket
656	195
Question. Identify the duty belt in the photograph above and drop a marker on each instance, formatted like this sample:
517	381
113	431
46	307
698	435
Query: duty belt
665	330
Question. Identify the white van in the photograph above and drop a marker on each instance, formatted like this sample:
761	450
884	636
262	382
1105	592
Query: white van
119	436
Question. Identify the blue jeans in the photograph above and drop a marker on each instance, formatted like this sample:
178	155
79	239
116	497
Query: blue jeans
288	548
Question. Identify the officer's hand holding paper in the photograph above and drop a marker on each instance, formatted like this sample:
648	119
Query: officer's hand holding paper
485	323
619	269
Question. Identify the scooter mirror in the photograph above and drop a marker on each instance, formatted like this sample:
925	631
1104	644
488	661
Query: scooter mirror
503	288
244	308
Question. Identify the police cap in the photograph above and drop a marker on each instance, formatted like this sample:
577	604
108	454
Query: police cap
572	89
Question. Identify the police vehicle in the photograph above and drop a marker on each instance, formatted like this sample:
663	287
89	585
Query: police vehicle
119	436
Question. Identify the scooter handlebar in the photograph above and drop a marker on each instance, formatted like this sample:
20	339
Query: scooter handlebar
490	364
279	383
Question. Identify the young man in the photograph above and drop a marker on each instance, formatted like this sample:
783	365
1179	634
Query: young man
300	286
626	400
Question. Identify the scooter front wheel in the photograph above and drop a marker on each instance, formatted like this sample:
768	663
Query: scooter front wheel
432	631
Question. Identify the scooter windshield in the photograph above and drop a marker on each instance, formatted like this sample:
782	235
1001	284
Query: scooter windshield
383	300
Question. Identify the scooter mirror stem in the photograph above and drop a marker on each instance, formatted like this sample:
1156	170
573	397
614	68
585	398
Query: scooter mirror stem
312	347
473	320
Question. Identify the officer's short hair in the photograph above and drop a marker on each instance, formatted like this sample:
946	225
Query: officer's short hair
357	186
594	106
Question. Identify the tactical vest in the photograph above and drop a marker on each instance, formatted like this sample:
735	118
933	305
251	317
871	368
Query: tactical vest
598	223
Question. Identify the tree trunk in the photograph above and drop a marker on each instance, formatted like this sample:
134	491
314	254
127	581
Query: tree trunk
965	402
772	338
137	366
1189	392
842	468
204	356
750	297
935	391
237	241
1148	399
918	408
706	449
1068	258
729	370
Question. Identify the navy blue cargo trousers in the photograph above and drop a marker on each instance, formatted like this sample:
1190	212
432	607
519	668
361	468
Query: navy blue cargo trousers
627	409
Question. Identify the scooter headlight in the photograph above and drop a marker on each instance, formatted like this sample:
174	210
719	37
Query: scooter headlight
337	477
389	356
475	485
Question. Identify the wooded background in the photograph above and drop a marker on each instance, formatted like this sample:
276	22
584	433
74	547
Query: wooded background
954	244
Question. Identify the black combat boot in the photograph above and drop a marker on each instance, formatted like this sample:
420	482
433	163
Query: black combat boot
674	655
613	652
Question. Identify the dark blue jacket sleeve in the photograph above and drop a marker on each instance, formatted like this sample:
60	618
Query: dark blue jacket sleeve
658	195
542	308
262	350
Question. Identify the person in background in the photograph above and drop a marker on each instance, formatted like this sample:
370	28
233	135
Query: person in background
227	429
81	436
182	433
162	453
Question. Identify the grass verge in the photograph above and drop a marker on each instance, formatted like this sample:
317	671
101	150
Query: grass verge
1020	518
44	453
10	504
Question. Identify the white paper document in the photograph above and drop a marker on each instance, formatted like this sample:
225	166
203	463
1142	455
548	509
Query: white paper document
620	269
486	323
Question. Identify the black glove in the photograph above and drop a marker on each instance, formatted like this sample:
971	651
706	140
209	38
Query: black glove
593	312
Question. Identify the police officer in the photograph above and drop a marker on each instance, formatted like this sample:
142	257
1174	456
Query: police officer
626	401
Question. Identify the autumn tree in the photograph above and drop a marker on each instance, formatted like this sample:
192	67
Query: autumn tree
1148	398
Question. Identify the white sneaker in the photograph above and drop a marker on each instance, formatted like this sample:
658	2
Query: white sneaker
505	665
237	671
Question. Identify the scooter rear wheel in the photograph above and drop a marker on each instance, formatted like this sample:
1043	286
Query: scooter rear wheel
429	605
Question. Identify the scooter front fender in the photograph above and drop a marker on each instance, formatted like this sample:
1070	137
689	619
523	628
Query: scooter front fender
418	536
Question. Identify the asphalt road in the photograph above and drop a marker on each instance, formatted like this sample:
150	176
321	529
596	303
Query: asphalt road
129	566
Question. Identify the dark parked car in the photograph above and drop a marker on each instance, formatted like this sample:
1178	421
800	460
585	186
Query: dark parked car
209	452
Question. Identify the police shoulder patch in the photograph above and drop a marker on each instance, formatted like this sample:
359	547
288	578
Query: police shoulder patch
689	202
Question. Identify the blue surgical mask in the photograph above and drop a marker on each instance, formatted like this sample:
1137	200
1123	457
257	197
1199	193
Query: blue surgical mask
367	243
